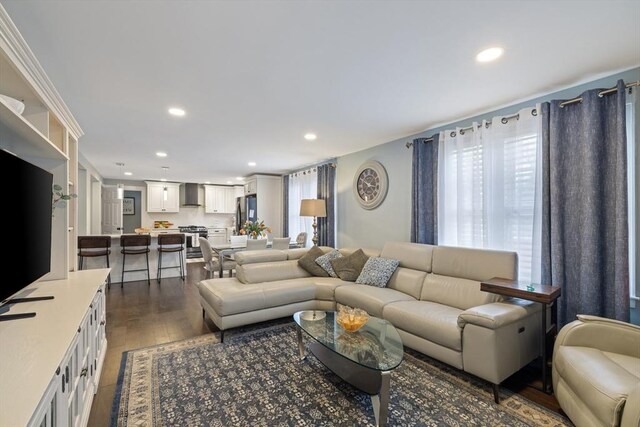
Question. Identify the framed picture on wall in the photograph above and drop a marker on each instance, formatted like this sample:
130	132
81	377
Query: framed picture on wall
128	206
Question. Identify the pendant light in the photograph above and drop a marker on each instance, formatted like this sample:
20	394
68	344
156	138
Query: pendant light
165	190
120	186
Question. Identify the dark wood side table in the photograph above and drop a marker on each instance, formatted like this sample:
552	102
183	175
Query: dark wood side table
545	295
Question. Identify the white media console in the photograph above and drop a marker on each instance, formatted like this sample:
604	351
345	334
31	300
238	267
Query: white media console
50	364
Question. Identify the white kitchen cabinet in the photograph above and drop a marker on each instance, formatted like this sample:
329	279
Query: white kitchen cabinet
251	186
63	355
163	197
238	190
219	199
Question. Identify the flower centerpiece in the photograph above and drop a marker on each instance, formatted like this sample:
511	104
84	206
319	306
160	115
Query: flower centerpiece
254	230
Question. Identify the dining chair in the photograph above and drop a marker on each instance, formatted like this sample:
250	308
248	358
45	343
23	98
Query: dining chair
256	244
281	243
212	260
301	240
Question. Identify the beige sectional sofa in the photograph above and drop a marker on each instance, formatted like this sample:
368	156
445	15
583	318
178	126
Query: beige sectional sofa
433	299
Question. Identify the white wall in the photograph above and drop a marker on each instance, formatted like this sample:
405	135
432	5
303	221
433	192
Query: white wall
357	227
89	203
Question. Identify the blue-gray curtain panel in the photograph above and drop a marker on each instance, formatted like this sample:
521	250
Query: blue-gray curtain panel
285	206
424	183
584	228
327	191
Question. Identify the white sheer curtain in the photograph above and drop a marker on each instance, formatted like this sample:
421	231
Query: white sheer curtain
302	185
490	188
633	183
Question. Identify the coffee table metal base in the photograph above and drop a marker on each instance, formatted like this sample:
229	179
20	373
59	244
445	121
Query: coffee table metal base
373	382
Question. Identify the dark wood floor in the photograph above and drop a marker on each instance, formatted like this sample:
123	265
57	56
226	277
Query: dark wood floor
139	315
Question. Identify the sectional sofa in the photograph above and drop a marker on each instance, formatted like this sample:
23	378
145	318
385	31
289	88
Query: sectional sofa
433	299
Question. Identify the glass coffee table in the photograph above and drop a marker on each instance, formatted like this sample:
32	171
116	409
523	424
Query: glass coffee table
364	359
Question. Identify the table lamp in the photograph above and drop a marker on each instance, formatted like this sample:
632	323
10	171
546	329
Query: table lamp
316	208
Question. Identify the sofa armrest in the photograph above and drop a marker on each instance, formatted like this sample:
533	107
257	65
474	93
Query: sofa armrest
498	314
631	413
604	334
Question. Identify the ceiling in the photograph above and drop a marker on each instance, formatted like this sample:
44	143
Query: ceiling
255	76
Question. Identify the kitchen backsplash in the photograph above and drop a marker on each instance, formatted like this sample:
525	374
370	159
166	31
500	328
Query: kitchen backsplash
193	216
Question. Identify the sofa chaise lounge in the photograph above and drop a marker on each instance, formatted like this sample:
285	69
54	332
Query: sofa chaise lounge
433	299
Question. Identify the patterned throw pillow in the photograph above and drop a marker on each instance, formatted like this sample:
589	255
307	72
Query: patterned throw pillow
349	267
308	262
325	262
377	271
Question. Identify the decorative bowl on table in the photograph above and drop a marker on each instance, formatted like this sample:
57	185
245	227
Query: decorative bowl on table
351	319
142	230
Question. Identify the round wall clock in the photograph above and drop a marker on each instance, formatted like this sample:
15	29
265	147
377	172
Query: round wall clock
370	184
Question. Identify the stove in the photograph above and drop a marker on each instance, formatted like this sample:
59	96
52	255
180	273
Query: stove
192	233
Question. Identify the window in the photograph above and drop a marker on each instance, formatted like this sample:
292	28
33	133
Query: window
490	188
302	185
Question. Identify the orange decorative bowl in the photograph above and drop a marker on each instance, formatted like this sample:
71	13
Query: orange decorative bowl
351	319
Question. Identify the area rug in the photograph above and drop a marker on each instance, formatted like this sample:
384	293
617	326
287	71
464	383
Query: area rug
256	378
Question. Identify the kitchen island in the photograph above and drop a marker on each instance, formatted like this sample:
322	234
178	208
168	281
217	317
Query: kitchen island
135	262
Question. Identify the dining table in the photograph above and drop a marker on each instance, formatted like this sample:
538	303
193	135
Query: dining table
228	250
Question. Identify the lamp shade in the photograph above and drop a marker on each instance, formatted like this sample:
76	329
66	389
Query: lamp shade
313	207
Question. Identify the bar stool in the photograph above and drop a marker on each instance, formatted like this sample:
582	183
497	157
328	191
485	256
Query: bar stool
94	246
168	243
134	244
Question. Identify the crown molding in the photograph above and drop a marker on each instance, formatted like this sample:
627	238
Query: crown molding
16	48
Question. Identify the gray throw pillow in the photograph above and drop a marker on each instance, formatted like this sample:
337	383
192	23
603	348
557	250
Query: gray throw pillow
308	262
324	261
348	267
377	271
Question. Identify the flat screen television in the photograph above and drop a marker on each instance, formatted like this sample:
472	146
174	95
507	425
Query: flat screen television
26	196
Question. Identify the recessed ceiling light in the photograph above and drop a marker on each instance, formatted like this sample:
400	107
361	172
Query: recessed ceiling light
207	182
490	54
310	136
128	173
163	179
239	178
177	112
161	154
251	163
229	182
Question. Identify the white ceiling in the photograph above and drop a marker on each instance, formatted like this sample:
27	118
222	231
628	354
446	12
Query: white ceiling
255	76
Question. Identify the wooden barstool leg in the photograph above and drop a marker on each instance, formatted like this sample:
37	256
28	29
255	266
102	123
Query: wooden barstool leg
109	276
124	255
159	272
148	275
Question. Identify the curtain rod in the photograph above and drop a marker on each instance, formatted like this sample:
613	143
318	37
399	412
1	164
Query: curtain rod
600	94
534	112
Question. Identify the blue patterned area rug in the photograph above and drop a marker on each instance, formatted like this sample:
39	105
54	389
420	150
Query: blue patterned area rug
256	379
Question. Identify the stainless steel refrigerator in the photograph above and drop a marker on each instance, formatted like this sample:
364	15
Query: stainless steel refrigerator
246	210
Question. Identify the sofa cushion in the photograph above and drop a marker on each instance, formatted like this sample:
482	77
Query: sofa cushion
408	281
270	271
348	267
455	292
253	257
369	298
410	255
601	383
326	286
229	296
308	262
429	320
367	251
377	271
324	261
474	264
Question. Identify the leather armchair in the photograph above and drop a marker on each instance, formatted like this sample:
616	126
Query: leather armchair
596	372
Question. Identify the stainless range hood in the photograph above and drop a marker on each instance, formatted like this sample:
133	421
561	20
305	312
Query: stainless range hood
190	195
